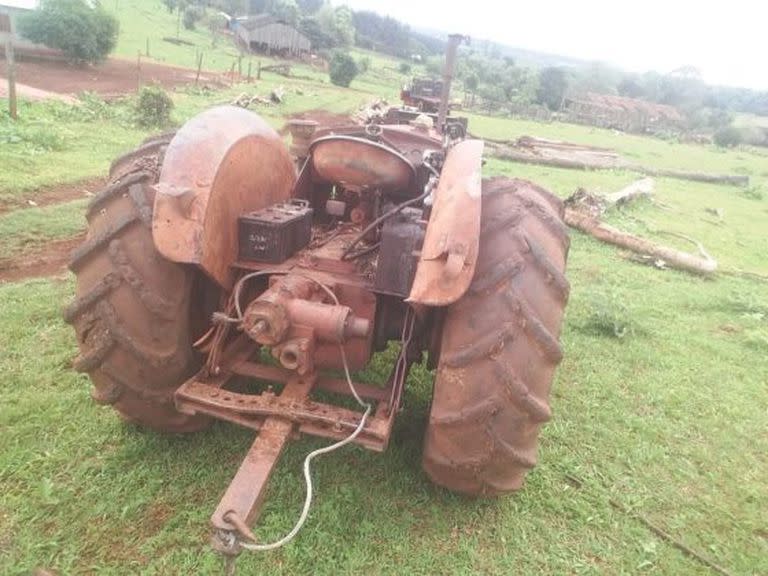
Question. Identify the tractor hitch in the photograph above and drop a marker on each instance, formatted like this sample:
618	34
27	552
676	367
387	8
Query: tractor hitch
278	416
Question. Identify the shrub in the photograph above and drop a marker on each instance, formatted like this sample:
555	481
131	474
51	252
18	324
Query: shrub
728	137
153	108
192	15
753	193
364	64
342	69
404	68
83	33
609	316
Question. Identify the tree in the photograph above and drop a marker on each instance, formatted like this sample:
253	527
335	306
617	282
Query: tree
471	83
553	84
83	33
630	87
342	69
310	6
319	38
191	16
382	33
728	137
337	23
286	10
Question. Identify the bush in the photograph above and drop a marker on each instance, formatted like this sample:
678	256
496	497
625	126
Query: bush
192	15
342	69
753	193
83	33
364	64
728	137
609	316
153	107
404	68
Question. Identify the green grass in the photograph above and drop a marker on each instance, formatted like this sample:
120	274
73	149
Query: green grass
53	143
669	421
142	20
31	228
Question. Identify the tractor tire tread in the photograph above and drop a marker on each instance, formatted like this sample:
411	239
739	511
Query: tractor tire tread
132	310
500	346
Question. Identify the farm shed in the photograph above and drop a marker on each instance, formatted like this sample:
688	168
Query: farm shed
628	114
10	10
265	33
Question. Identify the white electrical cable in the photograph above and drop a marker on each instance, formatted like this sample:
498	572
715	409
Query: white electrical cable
254	546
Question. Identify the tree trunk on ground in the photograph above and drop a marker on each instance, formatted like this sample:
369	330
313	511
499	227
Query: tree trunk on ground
703	265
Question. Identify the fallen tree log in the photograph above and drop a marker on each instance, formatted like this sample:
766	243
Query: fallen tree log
642	188
704	264
731	179
528	158
508	153
594	205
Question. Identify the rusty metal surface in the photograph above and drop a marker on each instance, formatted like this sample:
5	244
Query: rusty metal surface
450	64
245	494
205	394
353	289
330	419
411	142
360	162
221	164
326	383
450	247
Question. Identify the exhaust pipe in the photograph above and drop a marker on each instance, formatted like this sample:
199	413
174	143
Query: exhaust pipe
450	63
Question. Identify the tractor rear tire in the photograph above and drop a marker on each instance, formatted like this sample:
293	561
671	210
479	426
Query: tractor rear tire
132	312
500	346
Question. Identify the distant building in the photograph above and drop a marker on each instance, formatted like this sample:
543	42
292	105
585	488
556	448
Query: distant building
10	10
621	113
267	34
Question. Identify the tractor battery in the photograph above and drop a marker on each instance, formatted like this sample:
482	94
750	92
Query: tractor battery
275	233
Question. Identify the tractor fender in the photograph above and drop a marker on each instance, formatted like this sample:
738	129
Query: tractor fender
221	164
449	253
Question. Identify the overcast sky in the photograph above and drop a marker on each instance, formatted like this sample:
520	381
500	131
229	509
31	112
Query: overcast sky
726	40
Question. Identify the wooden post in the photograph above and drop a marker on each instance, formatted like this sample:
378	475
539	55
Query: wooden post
199	66
258	70
11	65
240	66
249	71
232	74
147	51
138	71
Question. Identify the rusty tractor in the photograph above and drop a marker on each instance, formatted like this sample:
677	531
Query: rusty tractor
224	277
429	97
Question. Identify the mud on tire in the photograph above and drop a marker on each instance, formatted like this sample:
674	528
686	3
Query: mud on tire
500	346
132	308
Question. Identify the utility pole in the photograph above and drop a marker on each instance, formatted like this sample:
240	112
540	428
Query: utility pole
11	65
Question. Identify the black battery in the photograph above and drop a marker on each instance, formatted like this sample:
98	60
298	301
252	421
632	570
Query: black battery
401	239
275	233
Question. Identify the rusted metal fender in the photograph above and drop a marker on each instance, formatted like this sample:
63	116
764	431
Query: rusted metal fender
451	241
221	164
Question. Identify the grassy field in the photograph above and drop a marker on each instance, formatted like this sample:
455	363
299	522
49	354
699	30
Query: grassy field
660	403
